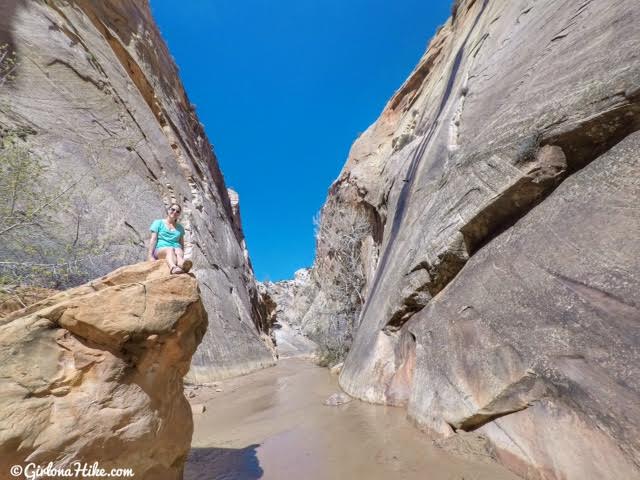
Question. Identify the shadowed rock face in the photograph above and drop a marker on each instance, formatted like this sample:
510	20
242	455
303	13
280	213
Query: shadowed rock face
95	374
97	98
501	289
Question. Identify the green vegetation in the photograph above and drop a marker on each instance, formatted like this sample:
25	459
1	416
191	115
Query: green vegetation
36	248
48	202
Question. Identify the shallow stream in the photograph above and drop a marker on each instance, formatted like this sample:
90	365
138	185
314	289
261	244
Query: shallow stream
272	424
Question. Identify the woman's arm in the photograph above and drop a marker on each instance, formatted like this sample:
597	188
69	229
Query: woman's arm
152	245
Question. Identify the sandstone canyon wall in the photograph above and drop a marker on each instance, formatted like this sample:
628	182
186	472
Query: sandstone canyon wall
494	205
96	102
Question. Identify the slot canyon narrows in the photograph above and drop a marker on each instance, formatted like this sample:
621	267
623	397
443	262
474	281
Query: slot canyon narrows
472	310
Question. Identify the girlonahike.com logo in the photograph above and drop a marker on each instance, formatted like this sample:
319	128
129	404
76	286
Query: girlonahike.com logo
32	471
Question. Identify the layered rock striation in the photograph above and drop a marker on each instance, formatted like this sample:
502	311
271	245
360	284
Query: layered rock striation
92	105
493	208
95	374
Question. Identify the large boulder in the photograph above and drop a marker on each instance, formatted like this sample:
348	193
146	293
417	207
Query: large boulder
17	297
94	374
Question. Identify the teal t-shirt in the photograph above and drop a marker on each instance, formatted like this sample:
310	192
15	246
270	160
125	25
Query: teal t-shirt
167	237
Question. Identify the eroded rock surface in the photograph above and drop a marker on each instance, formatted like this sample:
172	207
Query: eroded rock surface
14	297
289	302
493	204
96	100
95	374
535	343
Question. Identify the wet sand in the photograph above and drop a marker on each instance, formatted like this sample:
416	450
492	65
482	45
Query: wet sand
272	425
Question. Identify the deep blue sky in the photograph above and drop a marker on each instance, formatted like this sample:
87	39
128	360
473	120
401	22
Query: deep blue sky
283	88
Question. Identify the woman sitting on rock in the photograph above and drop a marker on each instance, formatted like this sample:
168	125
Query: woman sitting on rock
167	241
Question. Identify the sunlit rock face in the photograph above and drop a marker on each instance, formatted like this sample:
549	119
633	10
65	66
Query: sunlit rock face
289	302
96	98
94	374
495	205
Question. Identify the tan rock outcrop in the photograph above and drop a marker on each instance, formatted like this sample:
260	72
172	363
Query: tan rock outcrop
96	99
94	374
493	204
14	297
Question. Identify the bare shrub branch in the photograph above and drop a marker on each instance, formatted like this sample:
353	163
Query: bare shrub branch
340	239
7	64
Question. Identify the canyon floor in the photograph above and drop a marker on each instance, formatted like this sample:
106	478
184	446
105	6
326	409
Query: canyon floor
273	424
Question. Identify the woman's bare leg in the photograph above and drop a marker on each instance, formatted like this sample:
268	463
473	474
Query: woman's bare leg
169	256
179	256
184	263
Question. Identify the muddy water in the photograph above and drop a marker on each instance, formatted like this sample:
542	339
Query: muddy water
272	424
